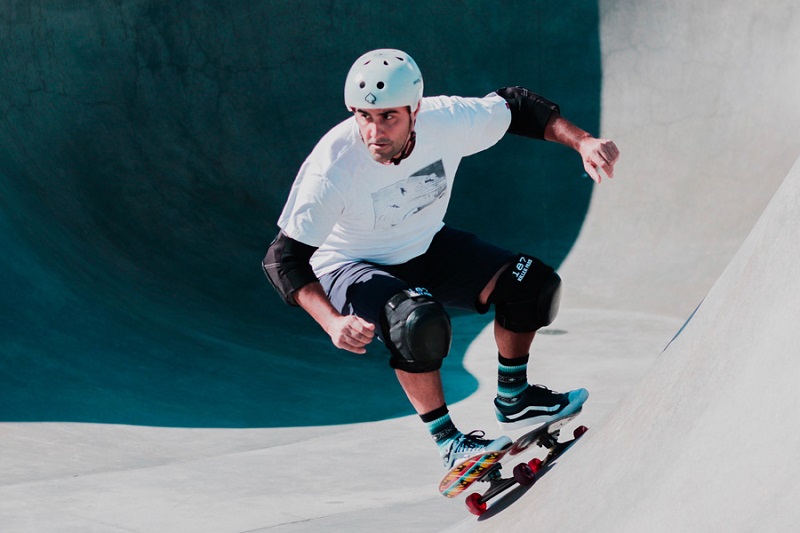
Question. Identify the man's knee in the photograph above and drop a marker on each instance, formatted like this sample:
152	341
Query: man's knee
417	331
527	295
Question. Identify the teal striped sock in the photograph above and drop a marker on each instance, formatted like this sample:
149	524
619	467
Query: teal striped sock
512	378
440	426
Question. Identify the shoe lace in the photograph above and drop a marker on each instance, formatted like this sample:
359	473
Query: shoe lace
547	394
472	441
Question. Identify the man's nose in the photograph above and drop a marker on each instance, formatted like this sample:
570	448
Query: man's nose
374	130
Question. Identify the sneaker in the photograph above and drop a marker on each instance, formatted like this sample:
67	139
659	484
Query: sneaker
462	447
538	406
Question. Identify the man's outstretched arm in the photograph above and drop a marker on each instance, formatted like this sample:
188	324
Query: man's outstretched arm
535	116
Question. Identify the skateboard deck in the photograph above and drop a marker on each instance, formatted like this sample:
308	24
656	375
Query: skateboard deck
487	467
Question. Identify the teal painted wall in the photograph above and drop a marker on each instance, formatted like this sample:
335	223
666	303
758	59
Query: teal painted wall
146	149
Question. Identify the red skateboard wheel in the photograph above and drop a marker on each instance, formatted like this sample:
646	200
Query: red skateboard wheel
535	465
524	474
580	430
475	505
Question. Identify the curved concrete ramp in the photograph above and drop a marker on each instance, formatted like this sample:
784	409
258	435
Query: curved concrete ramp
708	441
703	101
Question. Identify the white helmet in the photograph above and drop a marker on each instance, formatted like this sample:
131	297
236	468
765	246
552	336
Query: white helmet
381	79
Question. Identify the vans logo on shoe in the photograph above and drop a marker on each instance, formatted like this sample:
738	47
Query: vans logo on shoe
543	409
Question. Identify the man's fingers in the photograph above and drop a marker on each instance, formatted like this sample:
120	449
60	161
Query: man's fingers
354	334
609	151
352	347
600	161
606	169
591	170
362	331
358	337
367	325
350	343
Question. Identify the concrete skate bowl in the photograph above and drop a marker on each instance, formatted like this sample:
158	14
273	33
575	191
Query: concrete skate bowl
146	149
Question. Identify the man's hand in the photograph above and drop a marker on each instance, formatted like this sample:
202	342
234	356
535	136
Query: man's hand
351	333
599	157
347	332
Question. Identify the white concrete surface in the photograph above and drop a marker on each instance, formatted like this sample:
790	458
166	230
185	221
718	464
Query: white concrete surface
703	101
709	440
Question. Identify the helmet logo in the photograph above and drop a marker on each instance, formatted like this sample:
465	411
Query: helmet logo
370	98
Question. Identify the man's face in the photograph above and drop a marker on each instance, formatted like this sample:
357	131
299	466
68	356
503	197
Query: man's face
384	131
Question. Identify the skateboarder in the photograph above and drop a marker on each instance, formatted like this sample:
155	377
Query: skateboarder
363	248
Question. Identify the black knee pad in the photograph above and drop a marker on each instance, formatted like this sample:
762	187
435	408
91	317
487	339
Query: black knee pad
417	331
527	295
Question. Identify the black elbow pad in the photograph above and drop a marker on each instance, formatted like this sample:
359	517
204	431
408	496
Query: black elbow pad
287	266
530	112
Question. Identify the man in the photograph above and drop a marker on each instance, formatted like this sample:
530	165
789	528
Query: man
363	248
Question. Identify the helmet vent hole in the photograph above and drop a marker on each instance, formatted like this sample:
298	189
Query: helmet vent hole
380	85
385	62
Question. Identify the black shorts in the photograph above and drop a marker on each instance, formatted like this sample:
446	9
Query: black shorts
455	269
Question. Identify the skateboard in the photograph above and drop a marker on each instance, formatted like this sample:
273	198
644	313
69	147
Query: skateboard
487	467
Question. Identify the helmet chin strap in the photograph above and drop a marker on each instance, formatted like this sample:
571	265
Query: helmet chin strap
410	142
407	149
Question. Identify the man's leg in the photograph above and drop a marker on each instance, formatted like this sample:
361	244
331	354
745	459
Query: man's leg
424	390
512	345
426	395
509	344
525	294
414	331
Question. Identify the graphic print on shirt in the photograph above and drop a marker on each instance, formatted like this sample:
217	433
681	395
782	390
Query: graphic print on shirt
398	201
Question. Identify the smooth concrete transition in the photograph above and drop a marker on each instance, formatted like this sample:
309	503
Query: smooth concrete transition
679	315
708	440
703	102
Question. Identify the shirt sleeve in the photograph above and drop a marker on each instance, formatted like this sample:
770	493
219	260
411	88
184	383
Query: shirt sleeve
487	120
312	209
